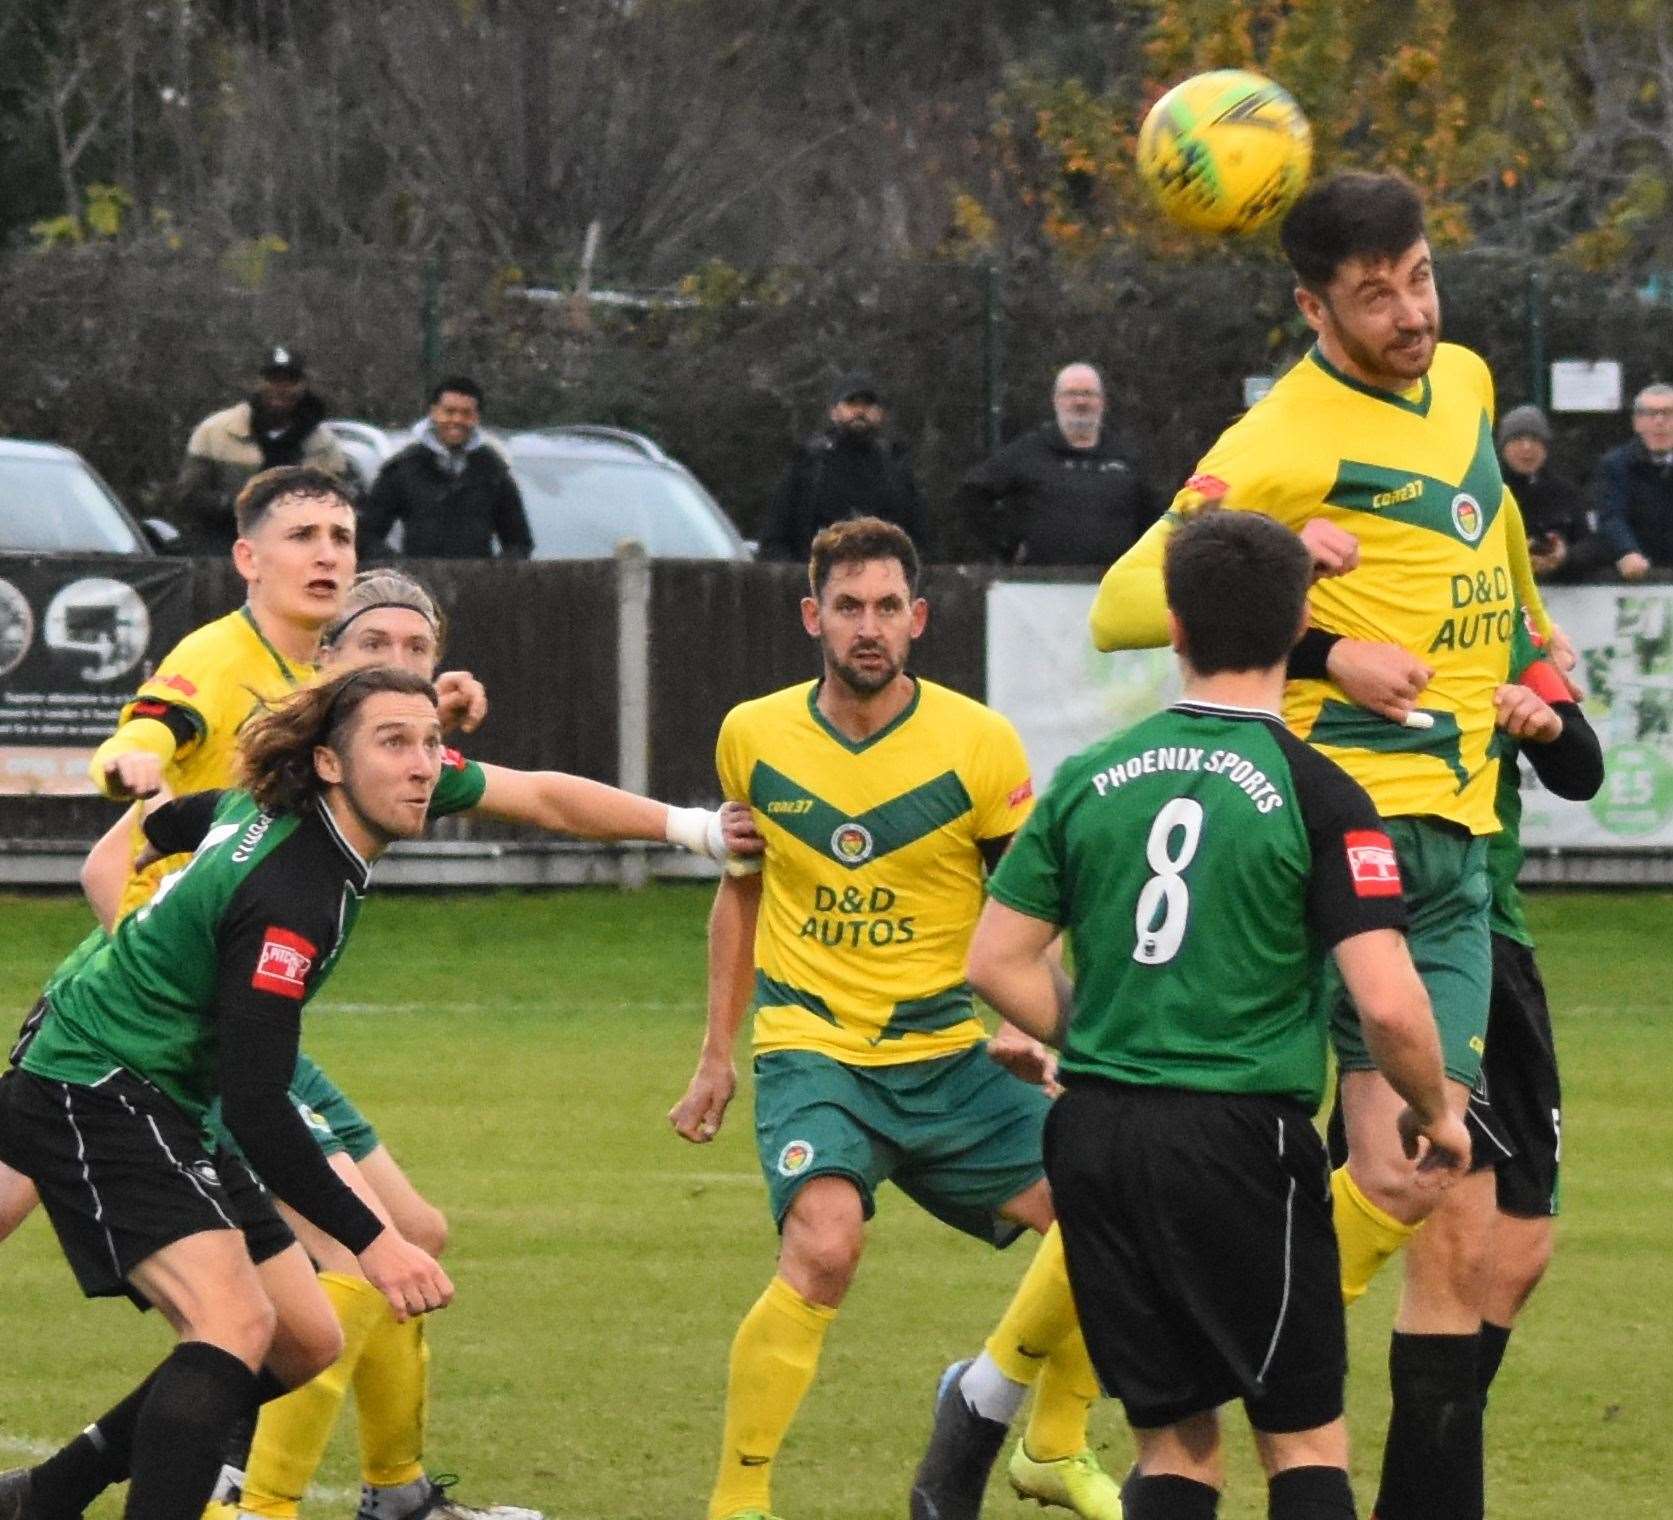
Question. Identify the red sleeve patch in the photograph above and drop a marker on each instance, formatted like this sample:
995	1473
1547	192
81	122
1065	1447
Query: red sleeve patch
179	684
150	707
283	964
1021	794
1210	487
1372	863
1543	680
452	760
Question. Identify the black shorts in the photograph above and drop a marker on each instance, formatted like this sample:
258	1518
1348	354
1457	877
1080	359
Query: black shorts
122	1172
1519	1086
1201	1251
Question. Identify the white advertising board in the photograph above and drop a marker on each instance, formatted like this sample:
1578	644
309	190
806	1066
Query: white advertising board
1044	675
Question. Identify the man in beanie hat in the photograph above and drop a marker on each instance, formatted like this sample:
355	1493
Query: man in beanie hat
851	468
281	422
1559	539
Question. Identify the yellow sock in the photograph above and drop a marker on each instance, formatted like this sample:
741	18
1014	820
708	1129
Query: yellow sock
1040	1314
293	1432
1067	1390
1365	1236
392	1399
773	1358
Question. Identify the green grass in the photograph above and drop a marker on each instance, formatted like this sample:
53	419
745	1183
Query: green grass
519	1051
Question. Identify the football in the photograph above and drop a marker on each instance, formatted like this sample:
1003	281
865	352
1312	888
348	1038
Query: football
1225	151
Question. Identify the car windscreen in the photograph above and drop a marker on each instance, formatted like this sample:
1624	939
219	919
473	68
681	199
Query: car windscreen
53	506
582	508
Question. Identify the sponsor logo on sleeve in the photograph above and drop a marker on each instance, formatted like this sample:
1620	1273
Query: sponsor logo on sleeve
452	760
1209	487
284	963
180	684
1374	866
1022	793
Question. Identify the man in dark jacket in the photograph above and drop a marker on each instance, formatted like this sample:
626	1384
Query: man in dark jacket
1560	540
850	469
450	489
1634	489
1067	493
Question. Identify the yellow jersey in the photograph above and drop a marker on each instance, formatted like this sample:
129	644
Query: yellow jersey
873	875
216	678
1442	559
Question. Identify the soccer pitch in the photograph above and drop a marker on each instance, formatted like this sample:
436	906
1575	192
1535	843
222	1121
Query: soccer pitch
518	1053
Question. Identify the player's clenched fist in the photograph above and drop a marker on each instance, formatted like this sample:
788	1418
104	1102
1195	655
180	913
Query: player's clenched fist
135	774
1335	551
1523	715
1441	1147
410	1278
461	701
1383	677
697	1116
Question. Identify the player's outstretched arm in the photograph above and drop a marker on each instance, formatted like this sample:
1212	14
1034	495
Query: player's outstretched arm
697	1116
1522	572
1010	965
1399	1027
130	762
565	804
1131	609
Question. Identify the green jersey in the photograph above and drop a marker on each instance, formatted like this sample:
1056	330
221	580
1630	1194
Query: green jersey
1202	864
226	925
199	993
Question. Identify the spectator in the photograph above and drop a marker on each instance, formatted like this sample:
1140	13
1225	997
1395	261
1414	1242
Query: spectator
1067	493
281	423
450	488
1559	538
1634	490
851	468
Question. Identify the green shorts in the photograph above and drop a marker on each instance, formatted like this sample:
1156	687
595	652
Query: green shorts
1447	894
959	1135
338	1127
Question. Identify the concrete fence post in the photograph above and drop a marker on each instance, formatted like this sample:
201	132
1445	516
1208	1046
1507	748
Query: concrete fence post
633	690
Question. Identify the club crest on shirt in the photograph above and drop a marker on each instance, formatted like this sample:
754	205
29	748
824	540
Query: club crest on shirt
852	843
1467	516
795	1158
283	964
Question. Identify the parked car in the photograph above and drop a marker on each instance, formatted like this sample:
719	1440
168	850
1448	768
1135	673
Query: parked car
585	489
53	502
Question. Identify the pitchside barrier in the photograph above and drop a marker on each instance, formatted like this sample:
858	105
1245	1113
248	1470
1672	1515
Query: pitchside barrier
622	670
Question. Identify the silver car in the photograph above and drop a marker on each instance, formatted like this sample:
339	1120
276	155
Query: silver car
52	502
585	489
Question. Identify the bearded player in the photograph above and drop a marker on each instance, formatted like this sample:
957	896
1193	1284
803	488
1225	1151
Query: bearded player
1377	447
883	799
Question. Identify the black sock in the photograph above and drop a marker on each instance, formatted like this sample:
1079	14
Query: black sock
1490	1352
196	1399
1310	1493
1432	1458
1166	1496
61	1487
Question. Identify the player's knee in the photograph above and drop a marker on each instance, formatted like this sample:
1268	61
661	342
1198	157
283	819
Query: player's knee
1391	1182
314	1349
828	1260
242	1324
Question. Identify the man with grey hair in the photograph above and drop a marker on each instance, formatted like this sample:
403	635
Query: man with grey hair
1634	489
1066	493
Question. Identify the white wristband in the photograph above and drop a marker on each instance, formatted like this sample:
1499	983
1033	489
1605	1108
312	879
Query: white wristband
697	830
